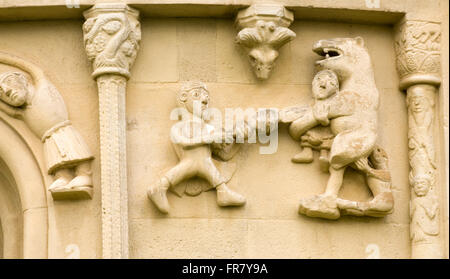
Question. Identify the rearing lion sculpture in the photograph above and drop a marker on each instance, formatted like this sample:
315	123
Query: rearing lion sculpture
352	116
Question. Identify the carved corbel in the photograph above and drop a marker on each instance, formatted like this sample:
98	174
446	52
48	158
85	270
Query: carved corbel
417	46
111	38
263	30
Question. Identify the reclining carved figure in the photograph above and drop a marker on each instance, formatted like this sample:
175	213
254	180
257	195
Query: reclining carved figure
352	116
39	104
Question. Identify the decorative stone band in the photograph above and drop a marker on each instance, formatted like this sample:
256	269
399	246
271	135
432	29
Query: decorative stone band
417	45
111	37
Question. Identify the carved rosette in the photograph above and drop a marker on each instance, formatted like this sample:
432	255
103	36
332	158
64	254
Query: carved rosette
263	30
111	36
417	47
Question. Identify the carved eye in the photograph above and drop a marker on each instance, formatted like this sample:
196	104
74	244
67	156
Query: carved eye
252	58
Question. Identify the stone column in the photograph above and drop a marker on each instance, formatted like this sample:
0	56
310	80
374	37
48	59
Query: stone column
111	37
417	46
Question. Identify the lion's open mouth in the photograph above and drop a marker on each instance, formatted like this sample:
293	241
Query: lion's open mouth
327	52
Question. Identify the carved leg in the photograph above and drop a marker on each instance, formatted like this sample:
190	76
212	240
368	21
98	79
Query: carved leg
157	194
325	205
225	196
324	160
335	181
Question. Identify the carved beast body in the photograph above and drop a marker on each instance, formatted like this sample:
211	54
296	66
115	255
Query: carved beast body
353	111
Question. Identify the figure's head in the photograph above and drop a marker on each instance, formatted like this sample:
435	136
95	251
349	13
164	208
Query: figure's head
193	93
13	88
421	184
324	84
344	56
421	98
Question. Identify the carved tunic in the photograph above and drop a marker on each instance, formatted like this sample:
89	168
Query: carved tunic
46	115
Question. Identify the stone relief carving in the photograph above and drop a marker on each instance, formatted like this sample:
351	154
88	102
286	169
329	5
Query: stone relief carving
195	151
111	41
39	104
350	111
424	209
417	44
264	32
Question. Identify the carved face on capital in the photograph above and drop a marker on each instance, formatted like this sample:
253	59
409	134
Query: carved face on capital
193	95
262	61
13	88
324	84
263	41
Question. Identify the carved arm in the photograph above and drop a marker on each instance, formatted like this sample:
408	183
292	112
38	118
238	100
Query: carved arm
11	111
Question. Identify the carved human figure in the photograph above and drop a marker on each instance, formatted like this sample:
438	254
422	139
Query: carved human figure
420	105
194	151
324	85
352	116
44	112
424	210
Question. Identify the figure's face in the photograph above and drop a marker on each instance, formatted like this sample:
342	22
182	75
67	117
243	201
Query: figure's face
197	96
324	85
421	187
419	103
13	91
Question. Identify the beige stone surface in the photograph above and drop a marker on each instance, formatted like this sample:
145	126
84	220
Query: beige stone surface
195	40
267	199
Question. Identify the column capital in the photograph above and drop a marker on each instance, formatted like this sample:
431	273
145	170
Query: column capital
111	37
263	29
418	49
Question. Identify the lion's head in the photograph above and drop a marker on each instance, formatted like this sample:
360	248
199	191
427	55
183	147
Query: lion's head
344	56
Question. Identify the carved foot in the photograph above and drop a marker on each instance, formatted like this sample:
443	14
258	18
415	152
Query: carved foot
321	206
379	206
158	195
59	183
80	181
305	156
75	193
227	197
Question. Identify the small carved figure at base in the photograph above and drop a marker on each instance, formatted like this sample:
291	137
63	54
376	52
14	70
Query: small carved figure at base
43	110
195	151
